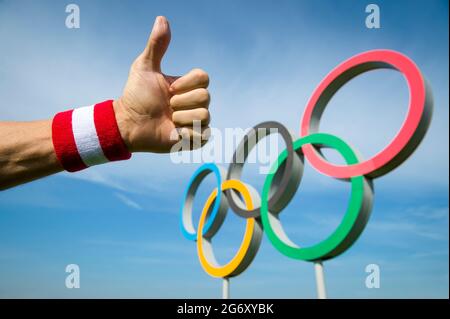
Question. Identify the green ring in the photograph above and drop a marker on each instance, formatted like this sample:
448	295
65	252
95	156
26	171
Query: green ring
351	226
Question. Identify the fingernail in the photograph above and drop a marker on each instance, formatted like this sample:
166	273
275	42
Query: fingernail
157	21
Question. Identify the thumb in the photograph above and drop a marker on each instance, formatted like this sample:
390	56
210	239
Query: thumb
157	43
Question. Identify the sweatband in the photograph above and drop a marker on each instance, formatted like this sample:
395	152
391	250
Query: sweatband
88	136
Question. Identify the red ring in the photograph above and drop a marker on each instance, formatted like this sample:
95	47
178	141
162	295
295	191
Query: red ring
406	138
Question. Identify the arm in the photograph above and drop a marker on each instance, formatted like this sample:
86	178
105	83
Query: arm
26	152
151	107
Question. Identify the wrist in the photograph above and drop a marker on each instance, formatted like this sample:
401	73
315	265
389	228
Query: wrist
88	136
124	123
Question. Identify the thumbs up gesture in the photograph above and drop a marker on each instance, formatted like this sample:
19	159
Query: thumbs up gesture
153	105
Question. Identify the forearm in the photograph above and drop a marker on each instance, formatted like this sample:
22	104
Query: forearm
26	152
72	140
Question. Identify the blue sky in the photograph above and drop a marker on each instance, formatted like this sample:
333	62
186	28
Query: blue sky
119	222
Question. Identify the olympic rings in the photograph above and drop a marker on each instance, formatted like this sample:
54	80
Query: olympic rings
250	243
408	137
353	223
285	175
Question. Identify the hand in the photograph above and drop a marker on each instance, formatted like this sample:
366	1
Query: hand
154	105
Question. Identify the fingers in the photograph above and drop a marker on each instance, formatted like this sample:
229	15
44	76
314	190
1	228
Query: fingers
193	99
158	43
189	102
195	79
186	118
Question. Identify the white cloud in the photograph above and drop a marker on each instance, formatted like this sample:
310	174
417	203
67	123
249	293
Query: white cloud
430	254
127	201
427	212
408	227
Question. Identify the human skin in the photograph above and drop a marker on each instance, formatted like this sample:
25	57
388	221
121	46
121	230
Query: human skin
152	107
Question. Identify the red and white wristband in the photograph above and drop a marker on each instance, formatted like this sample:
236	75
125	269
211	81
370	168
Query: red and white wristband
88	136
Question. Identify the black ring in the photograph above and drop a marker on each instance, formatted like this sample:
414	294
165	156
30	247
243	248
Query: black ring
291	171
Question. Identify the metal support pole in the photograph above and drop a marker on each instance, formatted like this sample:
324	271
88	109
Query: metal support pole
320	280
226	288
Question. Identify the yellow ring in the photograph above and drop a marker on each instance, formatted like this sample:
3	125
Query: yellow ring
231	267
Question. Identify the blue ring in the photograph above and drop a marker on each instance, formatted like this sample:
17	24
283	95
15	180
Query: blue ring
194	182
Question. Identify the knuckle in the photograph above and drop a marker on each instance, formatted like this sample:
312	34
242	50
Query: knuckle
203	115
203	96
201	76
